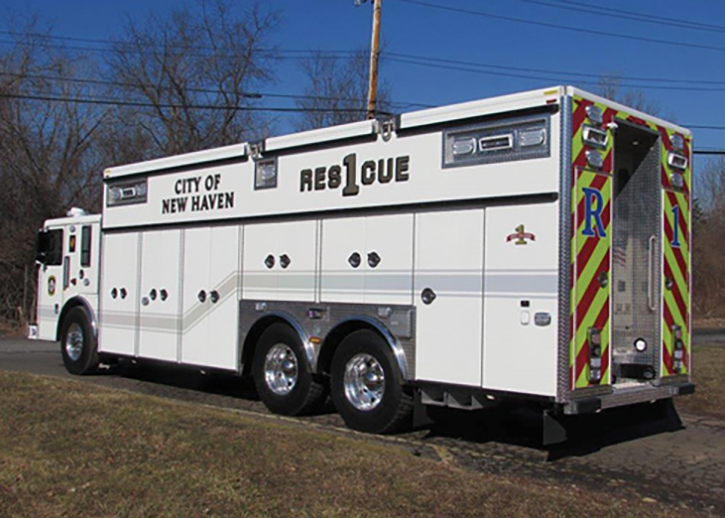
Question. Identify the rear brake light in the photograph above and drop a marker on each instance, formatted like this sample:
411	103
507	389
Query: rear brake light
594	340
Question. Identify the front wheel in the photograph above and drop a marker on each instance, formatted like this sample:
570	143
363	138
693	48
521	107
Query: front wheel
367	385
78	345
282	374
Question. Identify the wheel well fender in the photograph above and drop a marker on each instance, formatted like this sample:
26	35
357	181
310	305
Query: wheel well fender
355	323
75	302
260	326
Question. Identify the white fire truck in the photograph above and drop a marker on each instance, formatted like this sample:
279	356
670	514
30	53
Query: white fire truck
532	247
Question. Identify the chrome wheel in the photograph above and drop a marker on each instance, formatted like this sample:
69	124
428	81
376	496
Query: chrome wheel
74	342
280	369
364	382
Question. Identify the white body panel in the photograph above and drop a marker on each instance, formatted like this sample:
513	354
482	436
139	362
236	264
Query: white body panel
519	355
425	180
449	261
388	282
295	242
158	314
119	293
211	269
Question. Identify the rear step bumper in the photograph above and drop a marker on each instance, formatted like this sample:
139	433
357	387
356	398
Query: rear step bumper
626	396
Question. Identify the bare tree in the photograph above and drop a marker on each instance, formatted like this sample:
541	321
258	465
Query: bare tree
47	152
337	91
708	231
190	76
610	87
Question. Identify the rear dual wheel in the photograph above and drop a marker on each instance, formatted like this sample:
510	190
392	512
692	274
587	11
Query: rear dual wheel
367	385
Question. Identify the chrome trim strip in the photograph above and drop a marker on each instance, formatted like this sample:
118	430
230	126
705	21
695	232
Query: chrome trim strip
565	232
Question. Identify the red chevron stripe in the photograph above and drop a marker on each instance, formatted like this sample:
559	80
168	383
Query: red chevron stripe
664	177
679	301
681	220
666	360
591	291
583	357
609	115
591	243
580	114
681	264
665	138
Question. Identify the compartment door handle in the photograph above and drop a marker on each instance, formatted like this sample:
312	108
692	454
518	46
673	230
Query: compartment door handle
354	259
428	296
373	259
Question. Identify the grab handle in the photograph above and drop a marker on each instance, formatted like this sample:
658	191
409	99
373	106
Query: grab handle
650	275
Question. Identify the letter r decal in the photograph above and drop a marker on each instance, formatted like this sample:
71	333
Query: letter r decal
593	207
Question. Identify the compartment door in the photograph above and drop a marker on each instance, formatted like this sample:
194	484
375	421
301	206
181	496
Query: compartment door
119	294
211	294
159	295
296	260
225	280
388	259
449	296
260	262
342	260
521	281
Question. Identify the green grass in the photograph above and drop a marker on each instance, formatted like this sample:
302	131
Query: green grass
74	449
708	374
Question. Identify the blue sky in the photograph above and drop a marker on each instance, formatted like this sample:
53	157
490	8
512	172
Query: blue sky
444	36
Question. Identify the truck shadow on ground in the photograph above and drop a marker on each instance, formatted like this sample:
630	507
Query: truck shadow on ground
586	434
515	426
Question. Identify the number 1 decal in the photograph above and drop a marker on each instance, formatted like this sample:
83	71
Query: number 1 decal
675	227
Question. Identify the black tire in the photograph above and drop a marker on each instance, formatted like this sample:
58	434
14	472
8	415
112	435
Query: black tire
393	409
78	345
305	395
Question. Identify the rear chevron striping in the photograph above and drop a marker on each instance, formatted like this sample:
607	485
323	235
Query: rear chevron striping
590	305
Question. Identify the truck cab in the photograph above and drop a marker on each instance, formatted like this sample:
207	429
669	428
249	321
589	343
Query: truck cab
67	253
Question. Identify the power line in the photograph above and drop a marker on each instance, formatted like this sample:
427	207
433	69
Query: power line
139	104
589	31
557	72
474	68
627	15
646	15
334	54
248	95
718	152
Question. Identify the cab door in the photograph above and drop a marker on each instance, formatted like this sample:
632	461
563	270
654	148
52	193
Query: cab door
50	247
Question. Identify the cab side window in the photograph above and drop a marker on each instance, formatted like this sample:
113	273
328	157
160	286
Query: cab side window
86	238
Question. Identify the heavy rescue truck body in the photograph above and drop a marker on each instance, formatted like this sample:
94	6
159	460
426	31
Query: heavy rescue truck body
532	247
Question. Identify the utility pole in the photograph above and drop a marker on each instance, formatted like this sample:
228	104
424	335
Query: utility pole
374	55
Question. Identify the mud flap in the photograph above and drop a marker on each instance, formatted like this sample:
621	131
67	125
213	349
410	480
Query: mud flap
554	430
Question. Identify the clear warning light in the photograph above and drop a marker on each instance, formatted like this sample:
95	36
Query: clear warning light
640	345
